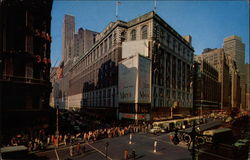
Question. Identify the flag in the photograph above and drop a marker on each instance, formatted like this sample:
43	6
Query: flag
38	59
118	2
45	60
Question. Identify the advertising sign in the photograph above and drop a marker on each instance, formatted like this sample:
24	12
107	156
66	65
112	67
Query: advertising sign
133	115
135	80
144	86
127	80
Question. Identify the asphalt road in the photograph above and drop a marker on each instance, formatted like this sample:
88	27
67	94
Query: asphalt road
142	144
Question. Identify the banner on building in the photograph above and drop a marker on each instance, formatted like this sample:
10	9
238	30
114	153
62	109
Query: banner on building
133	115
135	80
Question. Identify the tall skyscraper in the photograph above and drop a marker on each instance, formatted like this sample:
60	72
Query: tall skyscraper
67	37
234	48
75	45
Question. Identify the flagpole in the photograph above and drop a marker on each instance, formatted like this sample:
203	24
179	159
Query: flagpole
116	11
154	5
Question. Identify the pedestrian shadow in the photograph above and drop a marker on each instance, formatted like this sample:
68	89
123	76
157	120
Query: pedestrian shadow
161	149
136	157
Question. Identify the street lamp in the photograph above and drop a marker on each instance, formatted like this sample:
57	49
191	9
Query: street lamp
201	93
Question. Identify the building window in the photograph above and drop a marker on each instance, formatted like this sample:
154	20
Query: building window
133	34
179	48
114	36
97	52
105	46
101	49
144	32
123	37
162	35
110	41
174	44
168	39
94	38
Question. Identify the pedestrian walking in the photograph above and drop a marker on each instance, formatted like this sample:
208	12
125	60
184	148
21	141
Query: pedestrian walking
30	146
65	140
56	142
78	148
48	140
83	148
71	151
133	154
125	154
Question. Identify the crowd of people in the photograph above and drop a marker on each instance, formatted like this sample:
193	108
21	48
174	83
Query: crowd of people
42	141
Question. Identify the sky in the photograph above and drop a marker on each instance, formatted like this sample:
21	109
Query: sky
208	22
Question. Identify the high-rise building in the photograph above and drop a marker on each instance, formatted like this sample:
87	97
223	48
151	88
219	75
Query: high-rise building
93	82
235	82
247	68
67	37
75	45
217	58
25	65
82	42
206	87
234	48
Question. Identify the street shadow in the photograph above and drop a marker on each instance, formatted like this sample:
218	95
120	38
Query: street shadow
33	156
141	156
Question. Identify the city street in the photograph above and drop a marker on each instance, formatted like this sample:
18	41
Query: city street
124	80
142	144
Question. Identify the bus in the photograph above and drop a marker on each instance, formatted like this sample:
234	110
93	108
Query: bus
171	125
220	135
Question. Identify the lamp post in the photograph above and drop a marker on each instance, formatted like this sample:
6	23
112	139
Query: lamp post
201	93
193	138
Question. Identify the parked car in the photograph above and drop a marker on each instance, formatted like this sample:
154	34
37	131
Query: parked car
241	144
156	130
